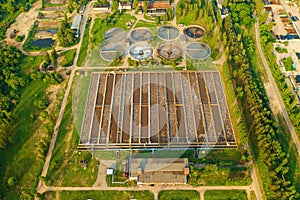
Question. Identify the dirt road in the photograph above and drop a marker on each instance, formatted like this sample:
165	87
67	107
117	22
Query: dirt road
275	89
64	103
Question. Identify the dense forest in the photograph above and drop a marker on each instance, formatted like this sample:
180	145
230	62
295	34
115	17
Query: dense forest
11	80
263	127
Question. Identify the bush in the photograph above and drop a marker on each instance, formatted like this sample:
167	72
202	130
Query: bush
20	38
288	63
281	50
68	58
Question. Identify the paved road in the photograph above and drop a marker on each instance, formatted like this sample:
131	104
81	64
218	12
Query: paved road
276	90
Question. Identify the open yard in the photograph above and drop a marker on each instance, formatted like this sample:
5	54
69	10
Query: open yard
105	195
225	195
68	57
178	195
105	22
65	169
214	176
24	161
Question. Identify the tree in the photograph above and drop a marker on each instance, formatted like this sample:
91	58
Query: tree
47	58
11	181
145	7
54	57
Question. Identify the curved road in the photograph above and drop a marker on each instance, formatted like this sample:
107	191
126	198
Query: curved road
276	90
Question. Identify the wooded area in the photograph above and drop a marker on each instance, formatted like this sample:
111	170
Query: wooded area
263	127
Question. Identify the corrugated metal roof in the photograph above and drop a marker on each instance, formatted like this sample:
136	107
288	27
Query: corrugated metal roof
76	22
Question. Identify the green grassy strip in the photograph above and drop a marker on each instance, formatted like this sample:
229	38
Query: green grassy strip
68	58
178	195
225	195
111	195
84	45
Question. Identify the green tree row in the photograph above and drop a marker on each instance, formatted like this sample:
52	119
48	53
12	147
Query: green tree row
65	35
262	124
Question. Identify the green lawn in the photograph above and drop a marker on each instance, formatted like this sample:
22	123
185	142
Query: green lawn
178	195
106	22
188	17
31	63
25	158
222	176
288	64
79	97
64	169
84	45
225	195
216	156
142	23
68	57
105	195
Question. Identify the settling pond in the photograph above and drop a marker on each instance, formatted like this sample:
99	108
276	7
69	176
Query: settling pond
47	42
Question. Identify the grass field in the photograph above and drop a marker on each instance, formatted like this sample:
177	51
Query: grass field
216	156
221	176
101	26
68	57
105	195
178	195
225	195
142	23
64	169
84	45
188	17
23	161
31	63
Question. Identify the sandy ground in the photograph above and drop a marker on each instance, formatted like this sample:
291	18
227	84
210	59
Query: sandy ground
43	34
53	15
49	24
24	21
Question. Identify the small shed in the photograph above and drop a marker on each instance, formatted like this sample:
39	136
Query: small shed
101	7
109	171
124	6
76	24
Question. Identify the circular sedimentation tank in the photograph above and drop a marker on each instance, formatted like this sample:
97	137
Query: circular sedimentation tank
168	33
111	51
198	50
194	31
169	51
141	34
140	51
115	35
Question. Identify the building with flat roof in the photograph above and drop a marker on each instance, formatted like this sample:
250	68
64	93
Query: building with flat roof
159	170
76	24
156	7
124	6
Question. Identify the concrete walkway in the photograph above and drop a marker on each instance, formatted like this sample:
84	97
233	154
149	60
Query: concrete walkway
101	178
